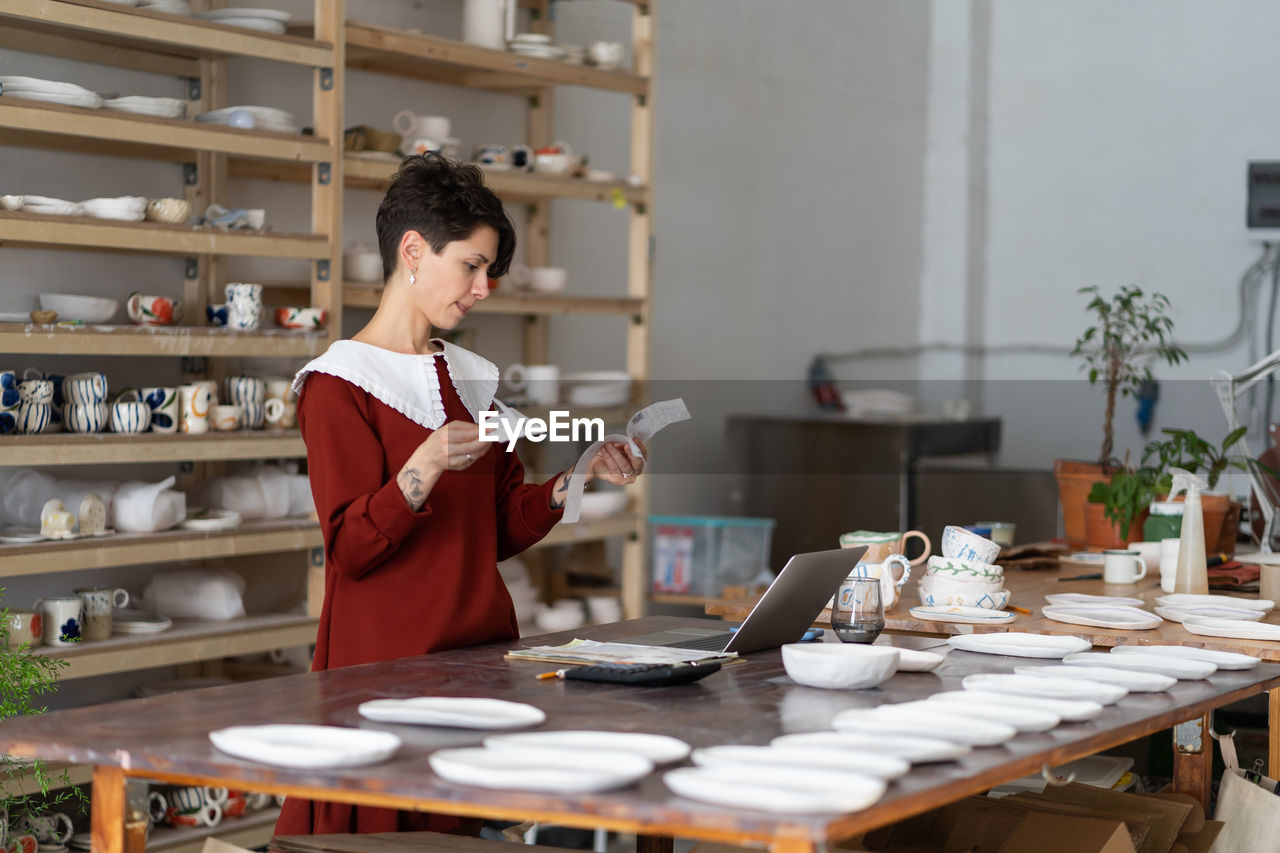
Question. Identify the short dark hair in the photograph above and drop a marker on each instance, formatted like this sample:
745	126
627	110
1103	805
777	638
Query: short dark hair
442	200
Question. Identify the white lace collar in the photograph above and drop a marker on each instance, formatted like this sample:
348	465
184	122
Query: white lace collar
408	382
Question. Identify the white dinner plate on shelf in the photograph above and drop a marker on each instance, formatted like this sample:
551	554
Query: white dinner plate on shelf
1022	719
1180	668
1068	710
1177	614
1050	688
139	622
911	660
240	12
211	519
1222	660
288	745
899	720
660	749
453	712
1131	680
20	535
1119	617
799	757
142	105
265	25
548	770
809	791
1019	644
963	615
916	750
1185	599
1237	628
1085	599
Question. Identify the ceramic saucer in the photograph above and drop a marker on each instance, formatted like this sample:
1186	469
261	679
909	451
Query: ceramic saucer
1222	660
775	790
548	770
970	615
306	746
1020	644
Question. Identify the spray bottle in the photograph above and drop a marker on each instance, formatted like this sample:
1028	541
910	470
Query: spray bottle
1193	571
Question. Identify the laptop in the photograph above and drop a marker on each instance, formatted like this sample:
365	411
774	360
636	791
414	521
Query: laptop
782	615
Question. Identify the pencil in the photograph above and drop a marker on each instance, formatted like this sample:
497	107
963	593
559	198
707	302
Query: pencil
543	676
1018	609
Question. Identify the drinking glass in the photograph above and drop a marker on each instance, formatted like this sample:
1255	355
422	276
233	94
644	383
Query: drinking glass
858	614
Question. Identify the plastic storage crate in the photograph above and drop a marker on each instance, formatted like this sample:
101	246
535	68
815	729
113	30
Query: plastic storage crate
699	554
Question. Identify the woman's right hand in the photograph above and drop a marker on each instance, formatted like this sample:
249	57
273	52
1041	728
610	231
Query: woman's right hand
453	447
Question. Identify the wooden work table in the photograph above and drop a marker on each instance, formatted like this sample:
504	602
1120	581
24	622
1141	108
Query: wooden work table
166	738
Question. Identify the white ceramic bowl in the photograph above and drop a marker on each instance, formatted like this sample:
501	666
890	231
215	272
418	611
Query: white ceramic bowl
596	387
839	666
553	164
948	586
547	279
962	544
362	266
963	570
996	600
598	504
90	309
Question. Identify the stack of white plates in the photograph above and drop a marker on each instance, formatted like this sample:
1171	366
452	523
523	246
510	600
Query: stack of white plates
35	89
265	20
51	206
264	118
535	44
158	107
130	208
169	7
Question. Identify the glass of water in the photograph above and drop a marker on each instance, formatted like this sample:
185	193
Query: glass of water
858	614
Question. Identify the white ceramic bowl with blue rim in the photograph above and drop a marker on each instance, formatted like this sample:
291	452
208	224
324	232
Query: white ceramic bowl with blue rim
961	544
985	600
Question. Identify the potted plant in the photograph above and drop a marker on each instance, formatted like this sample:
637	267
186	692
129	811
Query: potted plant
1185	449
1117	507
1129	331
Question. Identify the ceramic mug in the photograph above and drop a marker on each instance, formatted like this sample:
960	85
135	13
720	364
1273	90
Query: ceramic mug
216	314
87	418
208	814
163	403
98	607
238	390
493	155
1122	567
273	411
53	828
26	628
412	127
194	408
541	382
84	388
35	391
33	418
881	545
130	416
605	55
21	842
146	309
280	387
890	582
288	416
1150	553
244	306
961	544
62	616
225	417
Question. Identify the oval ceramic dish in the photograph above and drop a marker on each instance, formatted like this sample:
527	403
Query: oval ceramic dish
1050	688
897	719
1184	599
1022	719
548	770
799	757
1081	598
306	746
1180	668
453	712
660	749
1222	660
963	615
1177	614
776	790
1237	628
1069	710
1019	644
1134	682
1122	618
917	750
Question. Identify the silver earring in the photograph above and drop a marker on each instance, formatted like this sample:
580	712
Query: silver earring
413	278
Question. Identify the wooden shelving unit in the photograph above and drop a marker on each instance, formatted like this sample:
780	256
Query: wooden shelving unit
73	449
252	830
157	340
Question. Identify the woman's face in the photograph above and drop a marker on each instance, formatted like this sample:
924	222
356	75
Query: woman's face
452	281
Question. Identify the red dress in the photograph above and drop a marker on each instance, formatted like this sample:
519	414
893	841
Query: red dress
399	582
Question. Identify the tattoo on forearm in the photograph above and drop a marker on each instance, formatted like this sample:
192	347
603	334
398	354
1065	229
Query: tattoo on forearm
560	493
410	483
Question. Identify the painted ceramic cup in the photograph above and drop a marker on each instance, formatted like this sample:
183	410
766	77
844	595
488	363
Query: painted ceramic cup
962	544
250	394
194	408
53	828
130	416
84	388
21	842
273	411
216	314
35	391
225	417
88	418
26	628
33	418
9	396
890	582
163	403
146	309
98	607
964	570
306	317
881	545
281	388
244	306
62	617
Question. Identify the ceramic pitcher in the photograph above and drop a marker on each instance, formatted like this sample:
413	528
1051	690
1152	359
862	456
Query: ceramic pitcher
881	545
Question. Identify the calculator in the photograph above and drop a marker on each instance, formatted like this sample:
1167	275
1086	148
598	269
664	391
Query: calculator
647	674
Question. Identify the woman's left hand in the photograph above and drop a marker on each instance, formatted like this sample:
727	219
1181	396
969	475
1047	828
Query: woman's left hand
615	464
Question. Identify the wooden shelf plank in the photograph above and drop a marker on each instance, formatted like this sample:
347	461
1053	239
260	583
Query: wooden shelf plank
593	529
185	642
107	24
53	339
29	122
32	230
361	295
129	549
74	449
403	54
366	171
252	830
26	783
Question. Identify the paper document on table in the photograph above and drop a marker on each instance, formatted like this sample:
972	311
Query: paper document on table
593	651
643	425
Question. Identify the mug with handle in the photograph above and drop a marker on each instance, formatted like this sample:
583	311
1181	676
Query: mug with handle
1120	566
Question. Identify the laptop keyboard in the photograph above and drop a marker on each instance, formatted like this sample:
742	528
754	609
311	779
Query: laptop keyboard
714	643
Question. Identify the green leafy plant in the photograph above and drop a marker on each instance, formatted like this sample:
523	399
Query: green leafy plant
1185	449
1131	330
1125	495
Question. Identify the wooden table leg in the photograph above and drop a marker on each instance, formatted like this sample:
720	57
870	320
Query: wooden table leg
792	847
108	810
1273	733
1193	758
654	843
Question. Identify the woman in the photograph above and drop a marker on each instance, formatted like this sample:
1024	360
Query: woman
415	509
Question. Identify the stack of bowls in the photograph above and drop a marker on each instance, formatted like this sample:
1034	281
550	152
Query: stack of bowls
965	574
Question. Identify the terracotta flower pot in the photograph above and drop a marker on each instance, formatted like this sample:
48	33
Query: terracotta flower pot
1075	480
1101	533
1230	529
1214	506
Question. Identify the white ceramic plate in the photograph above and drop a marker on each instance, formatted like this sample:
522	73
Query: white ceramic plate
1180	668
1238	628
548	770
306	746
917	750
1222	660
1122	618
660	749
68	99
139	622
1049	688
1070	710
211	519
20	535
911	660
1022	719
799	757
235	12
1019	644
775	790
1085	598
265	25
964	615
1134	682
13	83
1184	599
161	107
899	720
454	712
1177	614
